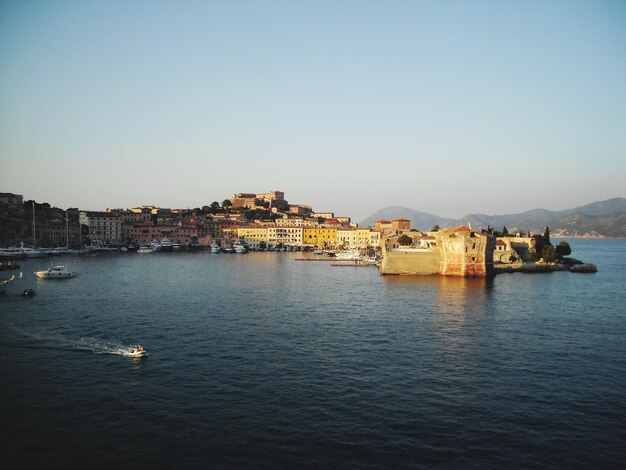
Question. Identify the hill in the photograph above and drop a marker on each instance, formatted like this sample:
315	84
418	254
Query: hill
602	218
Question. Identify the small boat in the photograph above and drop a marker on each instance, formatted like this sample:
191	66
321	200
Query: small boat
348	255
215	248
166	244
55	272
137	351
29	292
240	246
6	282
146	249
6	265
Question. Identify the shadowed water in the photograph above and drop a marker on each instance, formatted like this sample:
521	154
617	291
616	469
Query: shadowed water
257	360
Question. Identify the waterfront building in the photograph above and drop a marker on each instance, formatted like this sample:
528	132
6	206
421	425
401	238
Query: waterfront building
320	237
375	238
183	234
346	237
511	249
103	228
285	235
254	235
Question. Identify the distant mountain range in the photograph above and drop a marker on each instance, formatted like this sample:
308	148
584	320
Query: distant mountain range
598	219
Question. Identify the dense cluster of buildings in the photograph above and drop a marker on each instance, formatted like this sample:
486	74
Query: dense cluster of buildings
458	251
287	224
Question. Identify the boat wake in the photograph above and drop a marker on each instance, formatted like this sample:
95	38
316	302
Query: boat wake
86	345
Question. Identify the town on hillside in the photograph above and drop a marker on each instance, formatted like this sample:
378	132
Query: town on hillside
267	221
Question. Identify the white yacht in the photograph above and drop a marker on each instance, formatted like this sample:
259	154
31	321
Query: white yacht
146	249
215	248
348	255
55	272
156	245
166	244
240	246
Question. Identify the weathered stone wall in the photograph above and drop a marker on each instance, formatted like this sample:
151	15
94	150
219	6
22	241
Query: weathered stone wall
411	262
459	252
466	253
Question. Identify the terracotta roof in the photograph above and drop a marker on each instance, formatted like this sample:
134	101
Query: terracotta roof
500	243
460	228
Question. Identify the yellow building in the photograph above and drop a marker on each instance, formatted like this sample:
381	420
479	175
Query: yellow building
346	237
319	236
254	233
351	237
286	235
375	238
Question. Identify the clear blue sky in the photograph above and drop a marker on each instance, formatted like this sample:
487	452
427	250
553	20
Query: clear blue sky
445	107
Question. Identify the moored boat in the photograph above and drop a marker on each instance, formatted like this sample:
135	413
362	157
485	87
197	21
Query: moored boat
166	244
348	255
240	246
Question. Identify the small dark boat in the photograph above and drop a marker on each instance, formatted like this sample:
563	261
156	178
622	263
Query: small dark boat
28	292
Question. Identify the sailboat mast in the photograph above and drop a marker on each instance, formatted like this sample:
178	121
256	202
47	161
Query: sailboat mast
34	244
67	231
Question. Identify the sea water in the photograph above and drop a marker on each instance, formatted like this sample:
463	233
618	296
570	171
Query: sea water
257	360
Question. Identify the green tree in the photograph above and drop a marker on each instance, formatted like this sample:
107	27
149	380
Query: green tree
546	236
226	203
505	232
563	249
436	228
404	240
548	253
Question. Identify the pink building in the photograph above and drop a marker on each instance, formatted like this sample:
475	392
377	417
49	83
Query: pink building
184	234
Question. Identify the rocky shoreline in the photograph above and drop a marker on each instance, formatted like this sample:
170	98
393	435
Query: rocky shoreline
567	264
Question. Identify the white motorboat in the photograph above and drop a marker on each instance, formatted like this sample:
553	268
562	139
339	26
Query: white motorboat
166	244
348	255
215	248
240	246
156	244
228	248
146	249
55	272
23	252
137	351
